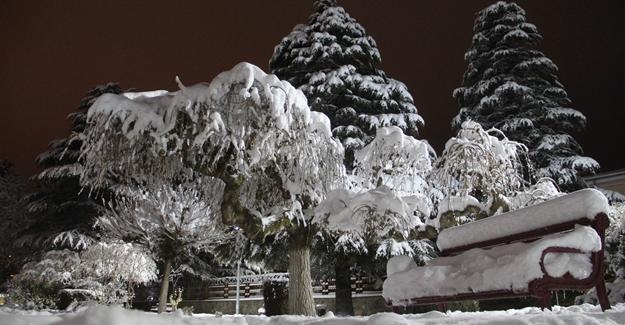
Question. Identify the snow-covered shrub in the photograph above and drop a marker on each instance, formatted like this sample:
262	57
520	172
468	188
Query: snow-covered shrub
38	284
170	222
116	268
105	273
615	258
475	173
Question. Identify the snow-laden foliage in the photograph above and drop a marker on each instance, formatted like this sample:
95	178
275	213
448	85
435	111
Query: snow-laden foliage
105	273
394	159
247	128
544	189
613	197
171	221
60	215
511	86
374	213
615	258
474	174
420	250
387	195
333	61
615	241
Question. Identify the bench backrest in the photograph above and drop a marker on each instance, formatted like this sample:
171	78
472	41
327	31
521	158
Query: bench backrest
585	207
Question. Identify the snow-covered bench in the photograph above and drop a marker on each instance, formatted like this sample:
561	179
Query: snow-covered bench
557	244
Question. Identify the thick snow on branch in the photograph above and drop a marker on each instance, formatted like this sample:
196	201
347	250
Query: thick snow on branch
394	159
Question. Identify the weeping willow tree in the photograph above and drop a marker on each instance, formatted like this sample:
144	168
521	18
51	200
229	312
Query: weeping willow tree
476	173
250	131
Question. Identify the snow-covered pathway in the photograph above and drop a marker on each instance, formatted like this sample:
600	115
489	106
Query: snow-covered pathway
101	315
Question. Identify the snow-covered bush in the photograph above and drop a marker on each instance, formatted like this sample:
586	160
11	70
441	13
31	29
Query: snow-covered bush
170	222
385	200
105	273
387	193
476	172
251	131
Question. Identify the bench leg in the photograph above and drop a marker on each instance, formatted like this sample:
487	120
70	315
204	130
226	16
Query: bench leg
602	295
442	307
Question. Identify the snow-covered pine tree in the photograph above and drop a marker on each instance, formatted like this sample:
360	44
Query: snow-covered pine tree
513	87
389	203
334	62
60	215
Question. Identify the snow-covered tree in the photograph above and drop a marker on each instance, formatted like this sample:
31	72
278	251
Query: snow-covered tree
334	62
60	215
513	87
253	132
475	174
385	204
171	222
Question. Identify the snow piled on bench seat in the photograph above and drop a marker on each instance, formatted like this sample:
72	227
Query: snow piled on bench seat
586	203
508	267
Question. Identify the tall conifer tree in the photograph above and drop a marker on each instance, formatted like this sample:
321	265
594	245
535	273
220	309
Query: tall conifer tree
513	87
334	62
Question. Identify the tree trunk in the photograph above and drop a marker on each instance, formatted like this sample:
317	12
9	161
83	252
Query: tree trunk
162	298
301	300
343	300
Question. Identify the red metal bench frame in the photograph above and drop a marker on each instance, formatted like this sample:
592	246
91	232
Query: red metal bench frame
538	288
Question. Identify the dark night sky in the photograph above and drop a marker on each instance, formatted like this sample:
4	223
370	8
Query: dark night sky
52	52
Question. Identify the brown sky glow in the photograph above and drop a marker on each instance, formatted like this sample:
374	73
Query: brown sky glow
52	52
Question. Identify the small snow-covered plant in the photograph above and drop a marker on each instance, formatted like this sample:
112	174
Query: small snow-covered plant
38	284
615	240
104	273
615	258
175	298
393	159
475	170
118	267
544	189
170	222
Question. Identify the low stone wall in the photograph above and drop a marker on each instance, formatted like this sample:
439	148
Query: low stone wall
365	304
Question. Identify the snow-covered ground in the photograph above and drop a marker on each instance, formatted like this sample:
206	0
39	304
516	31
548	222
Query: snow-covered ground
101	315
